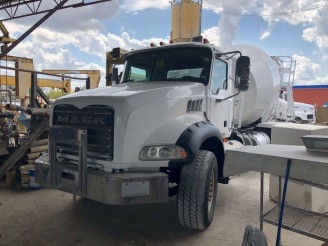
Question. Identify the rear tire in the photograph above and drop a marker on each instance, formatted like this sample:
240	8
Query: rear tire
197	191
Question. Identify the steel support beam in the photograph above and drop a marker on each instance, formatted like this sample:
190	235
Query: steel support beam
42	95
11	7
29	31
34	81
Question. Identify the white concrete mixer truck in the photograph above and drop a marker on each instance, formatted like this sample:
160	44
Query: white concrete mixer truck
163	130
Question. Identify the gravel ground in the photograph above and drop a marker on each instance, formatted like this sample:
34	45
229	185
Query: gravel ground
50	217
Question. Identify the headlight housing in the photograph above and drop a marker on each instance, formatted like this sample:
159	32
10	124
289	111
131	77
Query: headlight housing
163	152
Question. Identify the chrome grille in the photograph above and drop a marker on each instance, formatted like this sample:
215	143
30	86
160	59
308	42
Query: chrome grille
98	120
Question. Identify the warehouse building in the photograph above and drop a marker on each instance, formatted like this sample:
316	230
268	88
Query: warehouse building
312	94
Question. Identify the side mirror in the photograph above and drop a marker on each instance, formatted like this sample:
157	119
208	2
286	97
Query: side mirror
115	75
242	73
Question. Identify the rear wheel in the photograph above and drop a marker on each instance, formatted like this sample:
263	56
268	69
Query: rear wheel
197	191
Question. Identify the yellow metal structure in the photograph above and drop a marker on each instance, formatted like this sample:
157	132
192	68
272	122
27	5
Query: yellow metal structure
94	75
23	79
17	59
186	20
113	58
5	39
52	83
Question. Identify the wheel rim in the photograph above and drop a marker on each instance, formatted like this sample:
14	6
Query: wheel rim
211	191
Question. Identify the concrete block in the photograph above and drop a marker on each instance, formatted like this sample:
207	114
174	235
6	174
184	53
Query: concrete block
290	134
298	194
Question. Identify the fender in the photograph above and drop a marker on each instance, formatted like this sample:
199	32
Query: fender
196	137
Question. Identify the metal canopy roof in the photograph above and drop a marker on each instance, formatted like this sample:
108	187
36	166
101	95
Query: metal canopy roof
22	8
14	9
8	1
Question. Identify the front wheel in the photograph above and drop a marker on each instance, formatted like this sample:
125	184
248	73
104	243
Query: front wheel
299	120
197	191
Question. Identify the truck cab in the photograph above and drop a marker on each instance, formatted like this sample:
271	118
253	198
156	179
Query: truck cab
303	112
200	65
157	133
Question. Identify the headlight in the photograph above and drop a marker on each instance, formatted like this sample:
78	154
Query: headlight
163	152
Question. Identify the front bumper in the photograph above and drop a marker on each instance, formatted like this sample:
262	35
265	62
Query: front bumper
109	188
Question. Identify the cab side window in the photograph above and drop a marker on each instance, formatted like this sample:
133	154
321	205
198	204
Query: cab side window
219	76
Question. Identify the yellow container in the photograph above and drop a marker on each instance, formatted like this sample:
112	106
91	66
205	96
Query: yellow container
186	21
25	178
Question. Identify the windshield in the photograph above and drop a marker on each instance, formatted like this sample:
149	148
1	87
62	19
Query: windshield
175	64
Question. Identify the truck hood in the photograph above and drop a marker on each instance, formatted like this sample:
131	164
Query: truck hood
299	105
145	114
134	93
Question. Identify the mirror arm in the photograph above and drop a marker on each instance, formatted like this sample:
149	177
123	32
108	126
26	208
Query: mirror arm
223	99
228	53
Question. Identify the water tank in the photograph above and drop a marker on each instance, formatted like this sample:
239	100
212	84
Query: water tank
186	20
262	96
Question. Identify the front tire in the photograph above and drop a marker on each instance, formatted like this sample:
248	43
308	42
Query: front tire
197	191
299	120
254	237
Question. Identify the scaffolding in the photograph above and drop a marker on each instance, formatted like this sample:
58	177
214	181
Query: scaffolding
287	67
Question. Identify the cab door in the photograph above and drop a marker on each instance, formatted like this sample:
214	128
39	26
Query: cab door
219	106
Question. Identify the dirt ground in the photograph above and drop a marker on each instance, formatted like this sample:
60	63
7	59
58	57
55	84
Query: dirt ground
50	217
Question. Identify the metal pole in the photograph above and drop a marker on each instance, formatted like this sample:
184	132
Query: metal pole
261	202
87	83
53	159
83	169
289	161
29	31
279	201
42	95
34	82
37	72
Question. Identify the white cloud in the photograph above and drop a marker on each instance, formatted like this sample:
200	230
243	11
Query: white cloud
212	34
14	28
139	5
228	26
126	42
296	12
230	12
318	34
218	37
324	58
68	20
313	35
84	19
306	71
52	49
267	32
321	80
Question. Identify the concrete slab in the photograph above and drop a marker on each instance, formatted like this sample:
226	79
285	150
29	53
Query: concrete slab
50	217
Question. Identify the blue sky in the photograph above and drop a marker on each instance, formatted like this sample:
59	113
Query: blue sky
80	38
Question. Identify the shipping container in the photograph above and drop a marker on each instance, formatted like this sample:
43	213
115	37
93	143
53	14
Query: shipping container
312	94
